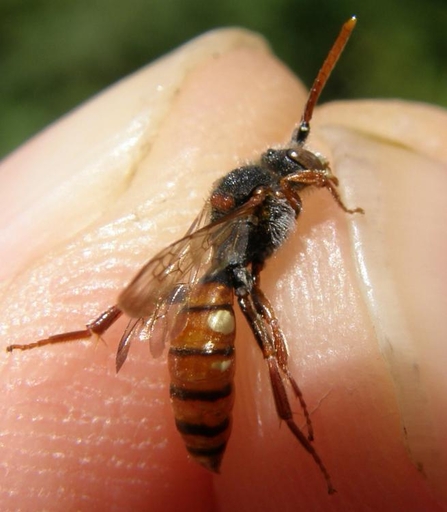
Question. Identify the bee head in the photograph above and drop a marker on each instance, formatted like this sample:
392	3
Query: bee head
308	168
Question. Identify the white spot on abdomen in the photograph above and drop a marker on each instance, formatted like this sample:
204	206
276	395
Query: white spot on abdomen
222	365
221	320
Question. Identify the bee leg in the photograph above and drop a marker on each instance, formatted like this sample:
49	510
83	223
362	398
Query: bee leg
336	195
256	320
265	308
285	412
98	326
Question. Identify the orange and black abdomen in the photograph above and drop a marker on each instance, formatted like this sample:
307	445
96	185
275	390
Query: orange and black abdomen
201	364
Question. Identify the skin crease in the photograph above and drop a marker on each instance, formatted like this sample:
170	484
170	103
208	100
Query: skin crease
87	202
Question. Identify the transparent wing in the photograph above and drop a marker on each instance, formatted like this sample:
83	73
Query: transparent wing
163	285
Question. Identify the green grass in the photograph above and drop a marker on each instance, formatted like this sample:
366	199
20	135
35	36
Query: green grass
55	54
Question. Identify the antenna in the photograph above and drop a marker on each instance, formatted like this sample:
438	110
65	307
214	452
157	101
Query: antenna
302	131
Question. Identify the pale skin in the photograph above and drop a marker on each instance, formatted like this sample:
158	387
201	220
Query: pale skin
85	204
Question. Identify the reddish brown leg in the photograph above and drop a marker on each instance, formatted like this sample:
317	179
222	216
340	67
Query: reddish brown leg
265	308
98	327
334	192
256	321
310	177
285	413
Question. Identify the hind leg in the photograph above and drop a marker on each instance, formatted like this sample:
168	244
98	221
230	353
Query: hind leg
257	311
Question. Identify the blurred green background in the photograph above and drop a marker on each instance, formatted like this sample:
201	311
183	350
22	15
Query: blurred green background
56	53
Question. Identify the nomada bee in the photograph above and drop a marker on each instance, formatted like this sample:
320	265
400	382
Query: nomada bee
185	294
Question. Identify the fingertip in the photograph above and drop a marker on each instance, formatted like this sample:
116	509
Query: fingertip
120	177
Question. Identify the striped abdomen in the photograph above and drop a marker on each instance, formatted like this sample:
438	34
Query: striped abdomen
201	364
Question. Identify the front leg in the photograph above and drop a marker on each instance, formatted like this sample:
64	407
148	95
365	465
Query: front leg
320	179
